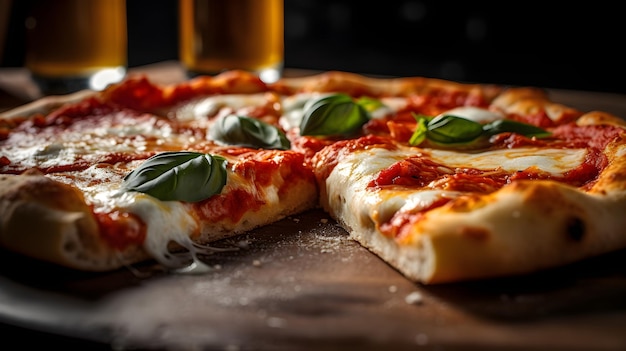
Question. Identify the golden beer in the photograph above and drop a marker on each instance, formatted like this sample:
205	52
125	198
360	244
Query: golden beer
218	35
75	39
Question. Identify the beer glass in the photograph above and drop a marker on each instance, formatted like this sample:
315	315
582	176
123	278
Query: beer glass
76	44
219	35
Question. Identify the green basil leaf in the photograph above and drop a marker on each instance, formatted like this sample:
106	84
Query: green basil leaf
370	104
450	129
335	114
506	125
419	135
182	176
248	132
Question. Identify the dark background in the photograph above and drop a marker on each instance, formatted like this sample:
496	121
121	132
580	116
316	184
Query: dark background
548	44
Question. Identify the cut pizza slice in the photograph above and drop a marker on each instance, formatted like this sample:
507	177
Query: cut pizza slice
480	192
142	171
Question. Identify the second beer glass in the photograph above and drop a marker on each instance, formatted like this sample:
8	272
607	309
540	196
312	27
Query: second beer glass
219	35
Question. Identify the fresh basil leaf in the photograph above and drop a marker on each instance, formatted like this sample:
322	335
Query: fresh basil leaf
506	125
181	176
370	104
335	114
248	132
450	129
419	135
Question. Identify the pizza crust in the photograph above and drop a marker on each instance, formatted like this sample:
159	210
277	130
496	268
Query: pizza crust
524	227
357	85
50	221
301	196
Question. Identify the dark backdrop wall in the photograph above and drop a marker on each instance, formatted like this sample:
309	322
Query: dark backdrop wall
517	43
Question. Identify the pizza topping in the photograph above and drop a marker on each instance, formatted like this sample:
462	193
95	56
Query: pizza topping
510	126
166	223
210	106
449	129
445	129
489	171
248	132
336	114
396	223
593	136
555	161
476	114
121	229
329	156
183	176
422	172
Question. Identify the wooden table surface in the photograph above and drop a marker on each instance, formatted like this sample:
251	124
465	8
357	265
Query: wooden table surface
303	285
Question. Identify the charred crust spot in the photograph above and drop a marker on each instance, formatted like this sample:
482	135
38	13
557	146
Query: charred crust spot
575	228
476	233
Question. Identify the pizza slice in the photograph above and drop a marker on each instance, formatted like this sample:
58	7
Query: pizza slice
141	172
481	188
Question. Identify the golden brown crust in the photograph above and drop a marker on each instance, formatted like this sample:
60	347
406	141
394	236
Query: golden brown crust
600	118
528	226
524	227
531	101
298	197
49	220
357	85
611	184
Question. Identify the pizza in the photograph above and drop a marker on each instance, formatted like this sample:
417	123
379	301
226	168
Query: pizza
444	181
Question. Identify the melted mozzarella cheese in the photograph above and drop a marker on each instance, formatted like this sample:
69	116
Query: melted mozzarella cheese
390	105
553	161
167	221
293	109
143	130
476	114
347	183
67	147
210	105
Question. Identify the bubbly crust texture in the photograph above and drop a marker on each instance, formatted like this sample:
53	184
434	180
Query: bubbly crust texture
434	233
51	221
56	218
524	227
357	85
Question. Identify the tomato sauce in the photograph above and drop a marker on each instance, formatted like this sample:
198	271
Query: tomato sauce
593	136
437	101
232	205
121	230
402	222
259	168
326	160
